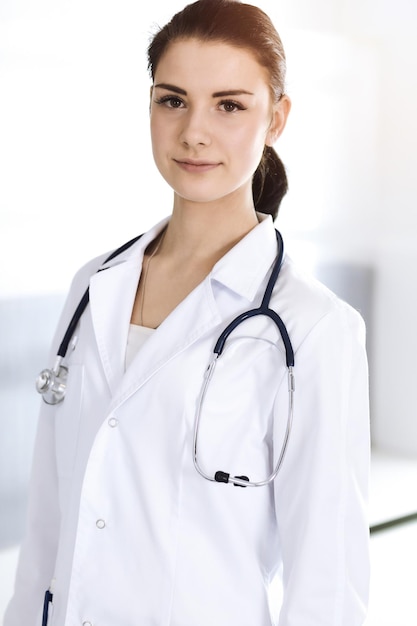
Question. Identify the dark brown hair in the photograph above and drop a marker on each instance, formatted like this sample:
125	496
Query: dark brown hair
243	26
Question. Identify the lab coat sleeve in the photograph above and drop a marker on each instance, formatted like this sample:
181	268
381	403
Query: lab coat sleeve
38	551
321	493
39	548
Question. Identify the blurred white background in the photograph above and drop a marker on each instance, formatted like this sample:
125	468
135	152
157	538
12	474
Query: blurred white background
77	179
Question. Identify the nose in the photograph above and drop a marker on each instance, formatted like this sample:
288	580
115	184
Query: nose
196	129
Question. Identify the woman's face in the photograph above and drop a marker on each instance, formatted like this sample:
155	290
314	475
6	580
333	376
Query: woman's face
211	116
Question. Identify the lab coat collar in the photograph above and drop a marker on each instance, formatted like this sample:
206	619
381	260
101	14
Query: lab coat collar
134	253
112	294
244	267
241	269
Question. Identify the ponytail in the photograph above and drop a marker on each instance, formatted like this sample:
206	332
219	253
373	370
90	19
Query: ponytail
269	184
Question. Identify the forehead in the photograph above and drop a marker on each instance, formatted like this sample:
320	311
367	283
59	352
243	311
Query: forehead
212	65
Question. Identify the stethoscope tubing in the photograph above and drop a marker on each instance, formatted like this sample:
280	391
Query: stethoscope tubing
82	305
51	383
224	477
289	353
263	309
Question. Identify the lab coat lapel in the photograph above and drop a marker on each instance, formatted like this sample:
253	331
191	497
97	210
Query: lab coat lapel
112	293
191	319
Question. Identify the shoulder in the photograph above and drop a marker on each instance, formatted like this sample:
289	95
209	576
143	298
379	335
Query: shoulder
82	276
304	303
81	279
79	285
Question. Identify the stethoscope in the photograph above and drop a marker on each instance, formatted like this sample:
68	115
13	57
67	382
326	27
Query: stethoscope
52	383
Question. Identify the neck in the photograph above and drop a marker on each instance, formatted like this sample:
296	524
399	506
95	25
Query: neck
207	231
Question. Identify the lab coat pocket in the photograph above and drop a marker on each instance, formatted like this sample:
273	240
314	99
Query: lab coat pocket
235	428
67	421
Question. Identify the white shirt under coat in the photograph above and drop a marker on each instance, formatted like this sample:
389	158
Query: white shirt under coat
121	527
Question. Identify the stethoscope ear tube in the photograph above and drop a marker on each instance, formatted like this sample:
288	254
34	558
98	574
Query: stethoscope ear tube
263	310
220	475
289	352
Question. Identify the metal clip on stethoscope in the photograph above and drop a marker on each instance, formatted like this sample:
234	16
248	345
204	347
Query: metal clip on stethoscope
221	476
51	383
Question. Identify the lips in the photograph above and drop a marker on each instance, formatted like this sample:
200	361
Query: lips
196	165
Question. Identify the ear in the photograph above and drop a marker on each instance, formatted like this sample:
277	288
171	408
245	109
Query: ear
280	114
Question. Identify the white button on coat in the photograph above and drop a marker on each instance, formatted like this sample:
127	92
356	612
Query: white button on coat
183	551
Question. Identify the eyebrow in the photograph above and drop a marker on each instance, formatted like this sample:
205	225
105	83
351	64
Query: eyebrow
217	94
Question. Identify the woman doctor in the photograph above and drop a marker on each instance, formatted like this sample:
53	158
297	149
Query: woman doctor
123	529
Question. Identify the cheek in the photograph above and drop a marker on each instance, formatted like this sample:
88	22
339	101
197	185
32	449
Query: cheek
156	134
160	132
248	144
159	144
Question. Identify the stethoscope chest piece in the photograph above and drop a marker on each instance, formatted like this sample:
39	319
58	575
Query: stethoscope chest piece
52	384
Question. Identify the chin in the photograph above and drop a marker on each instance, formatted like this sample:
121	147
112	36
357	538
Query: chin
199	195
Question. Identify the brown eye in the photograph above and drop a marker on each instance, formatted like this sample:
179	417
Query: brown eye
172	102
175	103
229	106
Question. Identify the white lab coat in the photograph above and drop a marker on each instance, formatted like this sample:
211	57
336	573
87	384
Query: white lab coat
124	531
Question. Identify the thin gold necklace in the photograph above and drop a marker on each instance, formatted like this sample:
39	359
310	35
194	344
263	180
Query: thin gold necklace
145	275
